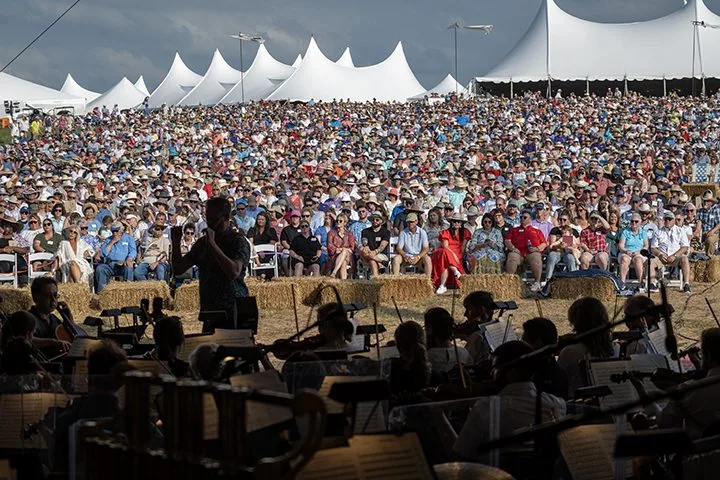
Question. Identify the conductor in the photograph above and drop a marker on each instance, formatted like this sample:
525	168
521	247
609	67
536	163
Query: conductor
221	256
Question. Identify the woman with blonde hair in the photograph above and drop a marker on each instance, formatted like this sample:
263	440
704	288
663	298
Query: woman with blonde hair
74	257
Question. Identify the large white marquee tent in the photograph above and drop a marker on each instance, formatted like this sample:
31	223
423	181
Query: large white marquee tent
124	94
177	83
260	80
215	84
559	46
319	78
37	96
71	87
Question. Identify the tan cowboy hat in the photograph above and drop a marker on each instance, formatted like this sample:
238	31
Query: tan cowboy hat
458	217
460	183
645	208
708	195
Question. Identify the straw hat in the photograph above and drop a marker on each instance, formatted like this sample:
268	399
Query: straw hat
457	216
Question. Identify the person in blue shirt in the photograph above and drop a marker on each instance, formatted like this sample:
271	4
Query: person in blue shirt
632	241
117	255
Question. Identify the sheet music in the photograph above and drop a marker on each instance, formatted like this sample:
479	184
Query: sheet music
210	417
80	347
364	409
586	453
623	392
388	352
497	333
21	409
228	338
260	415
371	457
657	339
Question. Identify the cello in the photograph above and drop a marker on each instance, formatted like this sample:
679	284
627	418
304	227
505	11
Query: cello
68	330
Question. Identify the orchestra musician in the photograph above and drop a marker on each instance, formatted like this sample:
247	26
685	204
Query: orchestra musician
518	402
442	354
169	336
44	291
585	314
106	361
640	313
411	372
540	332
479	307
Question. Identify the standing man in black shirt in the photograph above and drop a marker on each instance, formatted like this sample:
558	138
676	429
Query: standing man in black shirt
221	256
375	241
286	237
305	250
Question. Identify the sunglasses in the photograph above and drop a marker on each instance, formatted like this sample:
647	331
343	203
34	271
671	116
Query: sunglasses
47	224
32	221
83	228
57	210
307	216
189	232
564	219
304	226
634	221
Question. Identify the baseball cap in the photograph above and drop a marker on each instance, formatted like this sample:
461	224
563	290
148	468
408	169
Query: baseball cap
116	227
668	215
411	217
295	213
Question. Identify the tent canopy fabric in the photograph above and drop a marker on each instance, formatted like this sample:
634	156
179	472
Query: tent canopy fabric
319	78
71	87
215	84
260	80
297	61
178	82
124	94
559	46
38	96
446	87
345	59
140	85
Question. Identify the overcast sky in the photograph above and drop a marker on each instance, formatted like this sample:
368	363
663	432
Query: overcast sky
100	41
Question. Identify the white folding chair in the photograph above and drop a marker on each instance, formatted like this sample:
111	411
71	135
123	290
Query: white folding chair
38	257
13	276
269	249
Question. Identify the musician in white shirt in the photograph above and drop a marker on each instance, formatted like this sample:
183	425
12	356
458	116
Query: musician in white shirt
670	246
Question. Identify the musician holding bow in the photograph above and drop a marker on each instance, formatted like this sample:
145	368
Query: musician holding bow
44	292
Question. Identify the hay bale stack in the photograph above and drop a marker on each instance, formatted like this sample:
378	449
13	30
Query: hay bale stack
405	288
77	296
14	299
503	286
306	288
572	288
697	189
187	297
272	295
351	291
123	294
706	271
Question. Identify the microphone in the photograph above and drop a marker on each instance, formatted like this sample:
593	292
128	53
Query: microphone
670	339
646	253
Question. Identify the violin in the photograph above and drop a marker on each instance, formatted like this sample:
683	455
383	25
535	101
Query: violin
68	330
283	348
465	329
663	378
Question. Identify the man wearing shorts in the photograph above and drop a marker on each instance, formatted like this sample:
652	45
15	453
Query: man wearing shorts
670	246
375	240
525	243
412	247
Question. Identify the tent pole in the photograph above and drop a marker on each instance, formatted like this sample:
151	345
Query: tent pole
692	75
626	86
549	88
456	63
664	87
242	75
703	86
512	93
587	87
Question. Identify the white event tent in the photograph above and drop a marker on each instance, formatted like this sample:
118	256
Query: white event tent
319	78
260	80
71	87
38	96
124	94
297	61
345	59
219	78
178	82
446	87
140	85
559	46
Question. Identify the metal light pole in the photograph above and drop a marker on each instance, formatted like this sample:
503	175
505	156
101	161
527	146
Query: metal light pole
245	37
455	26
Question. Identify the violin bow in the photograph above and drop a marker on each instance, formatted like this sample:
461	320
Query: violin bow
295	310
377	334
397	310
539	307
712	312
459	364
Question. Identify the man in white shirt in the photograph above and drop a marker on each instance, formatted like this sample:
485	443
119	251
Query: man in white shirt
517	403
412	247
670	246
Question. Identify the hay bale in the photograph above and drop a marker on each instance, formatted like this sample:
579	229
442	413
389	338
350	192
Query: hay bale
187	297
405	288
123	294
700	271
503	286
712	270
272	295
77	296
572	288
307	290
697	189
14	299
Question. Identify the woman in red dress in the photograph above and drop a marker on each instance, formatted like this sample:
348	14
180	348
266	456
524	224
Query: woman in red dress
447	260
341	245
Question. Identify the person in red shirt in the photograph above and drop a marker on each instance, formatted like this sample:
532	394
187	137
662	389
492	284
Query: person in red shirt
593	243
525	244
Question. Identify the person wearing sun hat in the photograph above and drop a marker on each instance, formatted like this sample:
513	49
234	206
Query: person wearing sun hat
709	216
447	259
